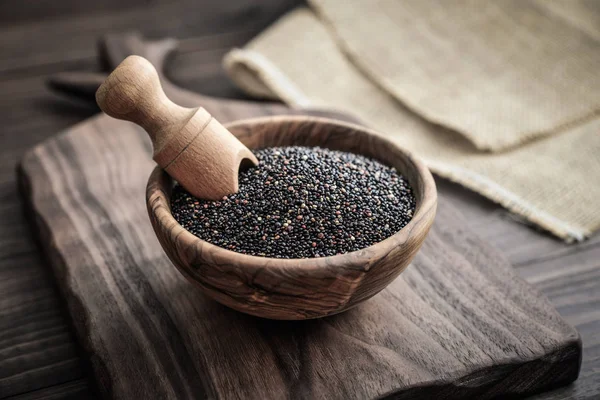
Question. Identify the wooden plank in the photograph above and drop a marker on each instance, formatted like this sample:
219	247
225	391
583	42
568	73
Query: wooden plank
74	390
37	348
13	12
72	39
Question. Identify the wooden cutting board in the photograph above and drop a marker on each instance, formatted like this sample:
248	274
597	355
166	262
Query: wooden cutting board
458	323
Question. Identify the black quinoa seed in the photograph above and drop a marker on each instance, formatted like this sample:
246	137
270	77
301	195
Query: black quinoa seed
302	202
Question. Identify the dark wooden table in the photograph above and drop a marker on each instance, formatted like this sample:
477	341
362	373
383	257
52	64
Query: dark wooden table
38	354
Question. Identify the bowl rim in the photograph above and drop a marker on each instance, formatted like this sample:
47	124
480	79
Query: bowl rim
424	210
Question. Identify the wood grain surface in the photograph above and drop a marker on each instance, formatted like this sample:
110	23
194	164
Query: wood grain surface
457	323
37	350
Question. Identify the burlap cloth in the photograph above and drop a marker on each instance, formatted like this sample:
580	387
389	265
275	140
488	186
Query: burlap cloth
449	81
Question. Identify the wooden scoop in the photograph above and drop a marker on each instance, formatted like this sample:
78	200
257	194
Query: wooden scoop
189	144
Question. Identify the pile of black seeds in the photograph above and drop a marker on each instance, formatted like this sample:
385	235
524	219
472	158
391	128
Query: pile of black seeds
302	202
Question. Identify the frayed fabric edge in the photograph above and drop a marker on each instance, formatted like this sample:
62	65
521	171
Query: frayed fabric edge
258	77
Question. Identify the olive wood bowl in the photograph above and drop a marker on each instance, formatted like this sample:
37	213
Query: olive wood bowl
295	289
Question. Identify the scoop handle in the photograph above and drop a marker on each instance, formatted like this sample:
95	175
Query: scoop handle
189	144
133	92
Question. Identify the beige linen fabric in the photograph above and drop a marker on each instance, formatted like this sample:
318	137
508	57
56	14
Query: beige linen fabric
499	72
554	183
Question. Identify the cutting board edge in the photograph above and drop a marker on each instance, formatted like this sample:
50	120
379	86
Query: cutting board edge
462	387
71	300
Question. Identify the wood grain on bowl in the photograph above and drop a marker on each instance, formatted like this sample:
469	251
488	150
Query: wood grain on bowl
298	288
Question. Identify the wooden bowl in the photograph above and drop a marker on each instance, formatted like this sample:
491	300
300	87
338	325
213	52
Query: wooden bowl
294	289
